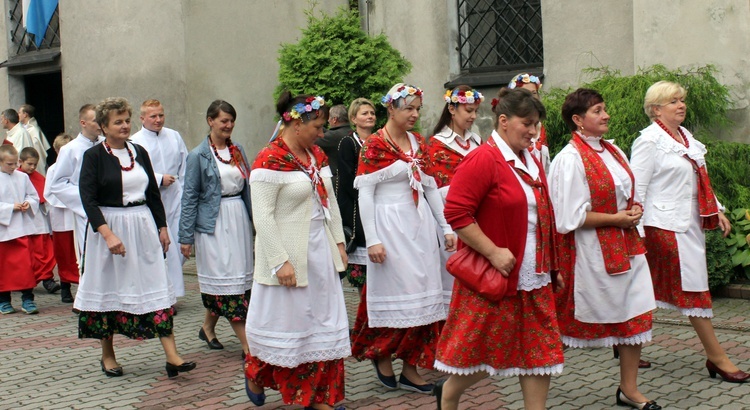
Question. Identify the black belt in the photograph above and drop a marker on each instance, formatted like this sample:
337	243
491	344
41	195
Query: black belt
232	196
138	203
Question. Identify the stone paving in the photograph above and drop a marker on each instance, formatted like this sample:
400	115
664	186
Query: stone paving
43	365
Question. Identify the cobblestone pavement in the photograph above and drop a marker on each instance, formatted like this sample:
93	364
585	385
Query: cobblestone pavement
43	365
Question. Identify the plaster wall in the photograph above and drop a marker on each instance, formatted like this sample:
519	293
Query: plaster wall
133	49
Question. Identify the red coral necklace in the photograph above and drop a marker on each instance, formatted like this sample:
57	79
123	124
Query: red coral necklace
216	152
130	154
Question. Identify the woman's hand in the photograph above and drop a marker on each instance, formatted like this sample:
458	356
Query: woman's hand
559	282
115	245
503	260
627	219
342	252
186	249
724	224
450	242
376	253
164	239
285	275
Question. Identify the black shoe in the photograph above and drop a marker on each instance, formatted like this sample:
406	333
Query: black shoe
75	311
114	372
50	285
66	296
387	381
407	384
213	344
623	400
173	370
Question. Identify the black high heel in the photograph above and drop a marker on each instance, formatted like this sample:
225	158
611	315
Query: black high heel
113	372
213	344
623	400
437	391
173	370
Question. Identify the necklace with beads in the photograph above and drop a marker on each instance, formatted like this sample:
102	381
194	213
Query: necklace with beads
684	141
130	154
462	146
216	152
390	139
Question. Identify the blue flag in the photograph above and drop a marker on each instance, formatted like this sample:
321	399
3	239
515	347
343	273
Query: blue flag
38	17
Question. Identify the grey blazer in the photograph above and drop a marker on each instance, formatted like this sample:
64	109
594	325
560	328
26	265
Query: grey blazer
201	196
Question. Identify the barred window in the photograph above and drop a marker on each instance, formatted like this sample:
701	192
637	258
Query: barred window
500	35
21	41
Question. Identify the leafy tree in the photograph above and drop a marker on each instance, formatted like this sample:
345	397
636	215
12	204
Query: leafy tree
338	60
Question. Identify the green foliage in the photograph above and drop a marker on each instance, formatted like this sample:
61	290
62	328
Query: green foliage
737	240
707	102
728	165
338	60
718	260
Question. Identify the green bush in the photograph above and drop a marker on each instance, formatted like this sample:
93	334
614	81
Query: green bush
336	59
718	260
737	241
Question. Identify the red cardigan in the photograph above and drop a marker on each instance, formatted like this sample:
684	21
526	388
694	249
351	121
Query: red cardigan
485	190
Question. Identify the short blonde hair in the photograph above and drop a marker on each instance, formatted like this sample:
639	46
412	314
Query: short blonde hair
61	140
149	103
661	93
7	150
356	105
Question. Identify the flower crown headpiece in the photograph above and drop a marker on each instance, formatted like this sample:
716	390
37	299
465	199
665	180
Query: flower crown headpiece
402	92
457	96
524	78
311	104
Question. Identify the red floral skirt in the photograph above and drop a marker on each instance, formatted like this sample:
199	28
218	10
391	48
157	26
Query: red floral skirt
43	256
16	271
305	385
519	332
664	262
570	327
103	325
65	254
414	345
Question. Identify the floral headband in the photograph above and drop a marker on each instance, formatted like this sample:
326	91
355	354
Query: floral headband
311	104
463	97
524	78
402	92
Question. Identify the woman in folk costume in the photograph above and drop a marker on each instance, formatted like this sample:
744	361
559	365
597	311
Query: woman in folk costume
538	147
402	303
679	203
451	141
498	205
215	216
362	118
298	331
608	297
124	286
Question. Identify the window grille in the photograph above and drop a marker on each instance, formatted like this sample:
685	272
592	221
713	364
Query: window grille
495	35
23	42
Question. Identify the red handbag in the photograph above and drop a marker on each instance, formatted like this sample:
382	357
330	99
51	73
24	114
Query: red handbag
477	273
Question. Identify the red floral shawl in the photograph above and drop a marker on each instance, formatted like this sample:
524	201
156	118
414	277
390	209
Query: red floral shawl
379	152
709	210
617	244
277	156
441	162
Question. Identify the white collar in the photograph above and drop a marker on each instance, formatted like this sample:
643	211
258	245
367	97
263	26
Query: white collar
530	166
150	133
447	136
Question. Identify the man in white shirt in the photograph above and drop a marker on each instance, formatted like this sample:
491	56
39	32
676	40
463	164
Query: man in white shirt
64	185
26	116
168	154
17	134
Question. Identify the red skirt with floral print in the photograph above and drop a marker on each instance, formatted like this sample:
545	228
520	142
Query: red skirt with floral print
305	385
570	327
664	261
520	331
414	345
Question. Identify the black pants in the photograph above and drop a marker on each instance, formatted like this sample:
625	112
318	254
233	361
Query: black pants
26	294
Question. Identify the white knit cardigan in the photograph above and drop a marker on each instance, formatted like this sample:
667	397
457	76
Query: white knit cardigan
282	206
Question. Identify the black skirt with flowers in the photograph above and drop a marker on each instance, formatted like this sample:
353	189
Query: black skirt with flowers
232	307
103	325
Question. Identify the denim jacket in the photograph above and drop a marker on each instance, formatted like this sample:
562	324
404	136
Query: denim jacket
201	196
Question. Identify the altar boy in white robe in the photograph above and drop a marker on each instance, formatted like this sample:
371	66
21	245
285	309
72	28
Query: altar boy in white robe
168	155
18	202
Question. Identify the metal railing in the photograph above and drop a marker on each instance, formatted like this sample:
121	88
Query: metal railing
23	42
493	34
